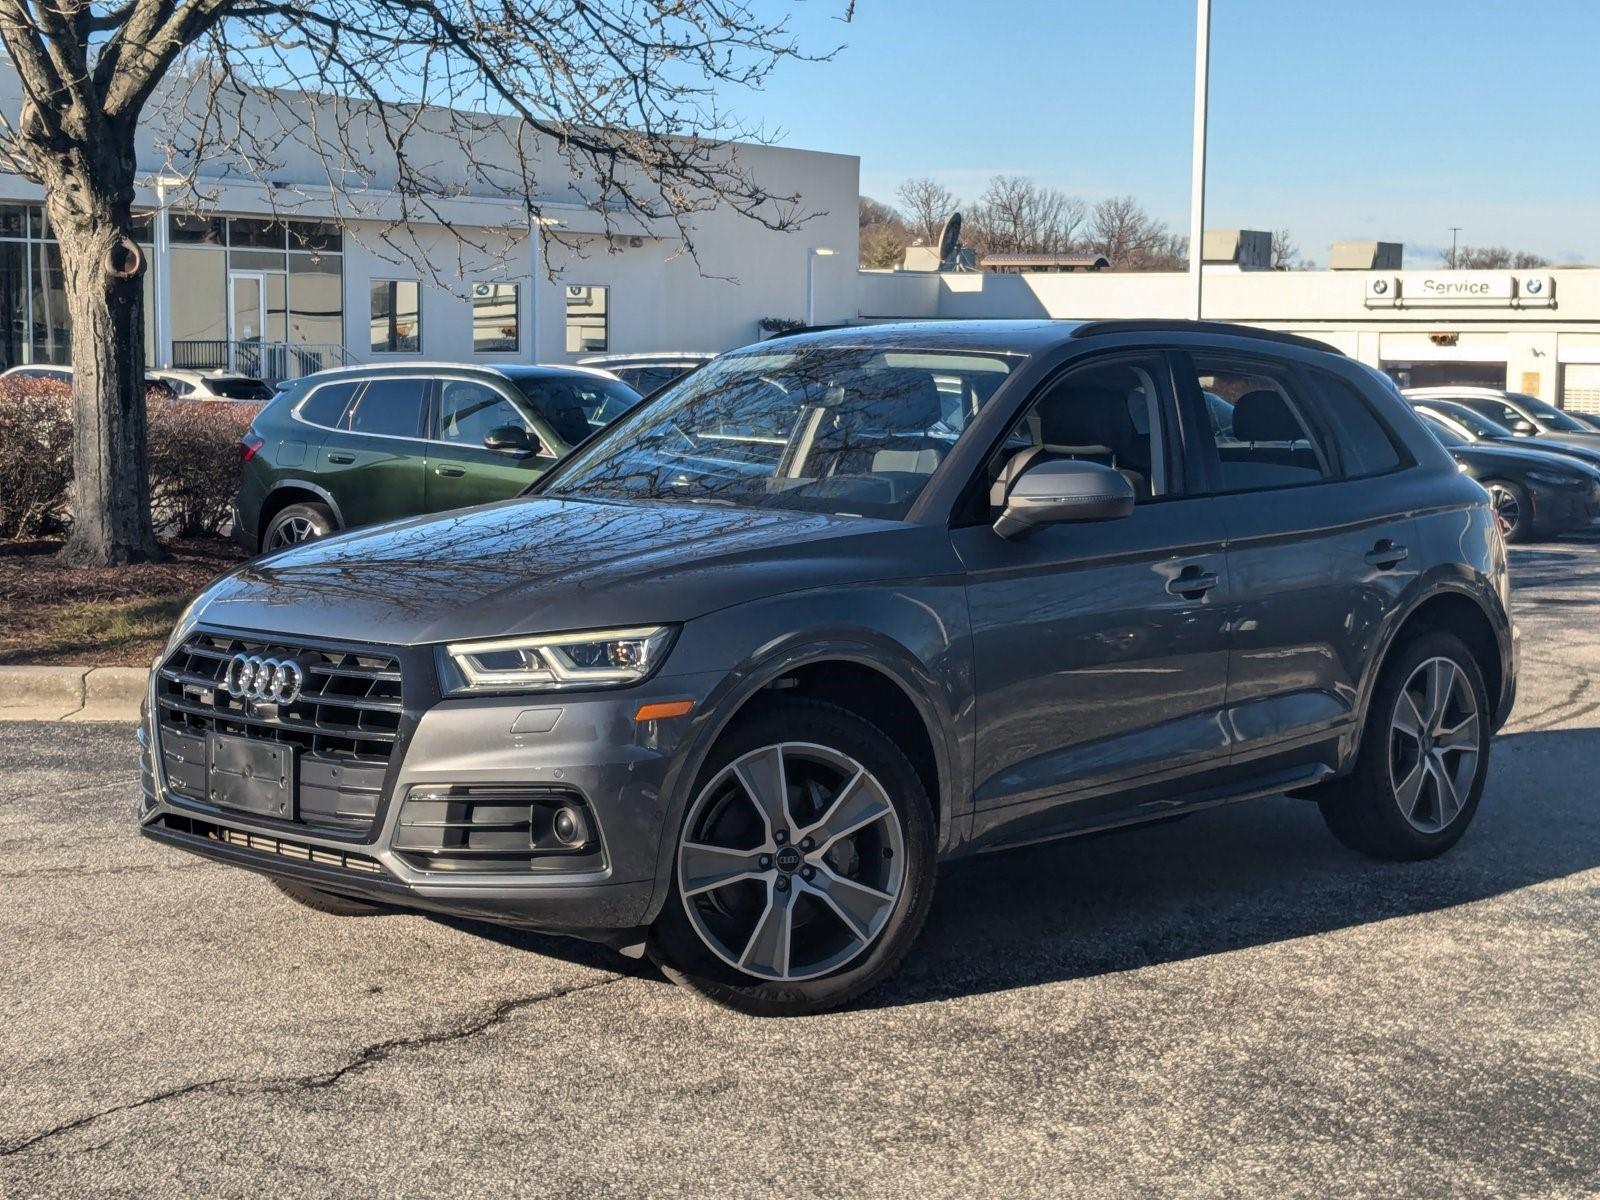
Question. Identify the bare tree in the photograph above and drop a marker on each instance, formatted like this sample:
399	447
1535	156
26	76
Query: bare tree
1285	251
927	204
1494	258
1132	239
1017	216
428	100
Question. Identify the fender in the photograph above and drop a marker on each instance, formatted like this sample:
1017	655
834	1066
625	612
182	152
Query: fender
1447	581
302	485
772	661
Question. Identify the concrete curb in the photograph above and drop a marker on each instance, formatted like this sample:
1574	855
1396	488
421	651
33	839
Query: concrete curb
71	693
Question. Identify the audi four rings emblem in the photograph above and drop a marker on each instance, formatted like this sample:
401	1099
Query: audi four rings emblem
252	677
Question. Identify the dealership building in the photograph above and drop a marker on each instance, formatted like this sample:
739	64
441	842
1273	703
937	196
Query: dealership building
1532	331
279	276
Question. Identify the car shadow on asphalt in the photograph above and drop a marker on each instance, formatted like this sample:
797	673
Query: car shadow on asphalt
1224	879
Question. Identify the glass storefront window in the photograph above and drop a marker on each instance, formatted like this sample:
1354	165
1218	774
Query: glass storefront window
396	316
199	295
189	228
14	301
52	329
587	318
320	236
496	318
259	233
316	299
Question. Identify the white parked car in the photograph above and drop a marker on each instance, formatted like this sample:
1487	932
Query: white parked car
211	385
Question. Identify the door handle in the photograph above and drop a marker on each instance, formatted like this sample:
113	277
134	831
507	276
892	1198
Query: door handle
341	458
1386	555
1192	582
449	472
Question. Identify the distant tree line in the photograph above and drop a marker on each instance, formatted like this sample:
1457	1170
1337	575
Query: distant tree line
1015	215
1492	258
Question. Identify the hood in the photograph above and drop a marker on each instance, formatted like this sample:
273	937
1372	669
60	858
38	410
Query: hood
544	565
1518	458
1588	442
1557	445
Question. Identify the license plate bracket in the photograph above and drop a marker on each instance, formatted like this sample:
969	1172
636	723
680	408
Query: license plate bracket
250	775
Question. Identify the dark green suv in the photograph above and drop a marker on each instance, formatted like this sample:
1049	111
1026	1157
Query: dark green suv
361	444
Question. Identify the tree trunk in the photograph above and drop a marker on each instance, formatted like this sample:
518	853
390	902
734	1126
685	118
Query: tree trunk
90	209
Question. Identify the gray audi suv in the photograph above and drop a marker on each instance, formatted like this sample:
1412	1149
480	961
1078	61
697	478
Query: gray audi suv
732	681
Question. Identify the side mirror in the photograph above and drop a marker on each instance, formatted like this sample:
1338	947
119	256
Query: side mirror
510	440
1523	428
1065	490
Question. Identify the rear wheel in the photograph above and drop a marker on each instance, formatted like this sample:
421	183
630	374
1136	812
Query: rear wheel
804	866
1512	506
1424	755
329	902
298	523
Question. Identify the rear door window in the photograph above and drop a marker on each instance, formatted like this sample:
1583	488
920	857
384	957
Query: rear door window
1256	426
391	408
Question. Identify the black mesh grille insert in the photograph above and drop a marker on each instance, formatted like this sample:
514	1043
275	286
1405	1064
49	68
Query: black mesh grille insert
343	724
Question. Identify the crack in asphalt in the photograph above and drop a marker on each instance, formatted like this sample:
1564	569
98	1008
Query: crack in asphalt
367	1056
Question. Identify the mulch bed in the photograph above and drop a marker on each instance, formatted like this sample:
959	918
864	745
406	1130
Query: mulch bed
103	616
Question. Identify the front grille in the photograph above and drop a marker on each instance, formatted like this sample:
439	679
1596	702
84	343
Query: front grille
343	726
281	847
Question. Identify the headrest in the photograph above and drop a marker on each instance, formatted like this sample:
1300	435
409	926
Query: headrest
1264	416
1089	416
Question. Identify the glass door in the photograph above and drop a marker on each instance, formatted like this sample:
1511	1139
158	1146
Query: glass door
247	319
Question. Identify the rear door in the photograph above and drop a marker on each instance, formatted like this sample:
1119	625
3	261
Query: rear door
462	471
373	464
1100	649
1311	487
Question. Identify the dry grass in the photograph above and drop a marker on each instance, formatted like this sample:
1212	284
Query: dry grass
99	616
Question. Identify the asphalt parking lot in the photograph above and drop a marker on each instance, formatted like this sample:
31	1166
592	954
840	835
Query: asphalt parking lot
1228	1006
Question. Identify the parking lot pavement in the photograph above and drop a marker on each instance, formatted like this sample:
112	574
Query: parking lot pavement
1231	1005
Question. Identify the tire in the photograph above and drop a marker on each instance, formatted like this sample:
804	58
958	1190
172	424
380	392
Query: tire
1368	809
1512	506
298	523
329	902
876	858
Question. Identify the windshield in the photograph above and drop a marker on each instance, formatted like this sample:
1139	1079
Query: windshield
1441	431
1550	415
830	429
1474	421
576	406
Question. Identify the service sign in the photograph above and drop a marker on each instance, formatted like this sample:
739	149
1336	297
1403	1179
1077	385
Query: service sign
1447	289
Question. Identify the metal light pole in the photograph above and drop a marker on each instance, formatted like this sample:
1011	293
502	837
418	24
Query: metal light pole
1454	230
1197	182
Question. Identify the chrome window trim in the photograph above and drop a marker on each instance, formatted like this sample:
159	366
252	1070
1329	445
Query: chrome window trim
545	442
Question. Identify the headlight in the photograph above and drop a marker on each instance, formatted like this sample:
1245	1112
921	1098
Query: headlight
605	658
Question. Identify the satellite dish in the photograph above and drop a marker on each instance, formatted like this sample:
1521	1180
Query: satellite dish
949	237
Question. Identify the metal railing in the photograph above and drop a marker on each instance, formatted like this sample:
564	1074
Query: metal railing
271	361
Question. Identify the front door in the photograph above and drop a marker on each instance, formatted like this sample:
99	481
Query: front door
461	470
247	320
1100	649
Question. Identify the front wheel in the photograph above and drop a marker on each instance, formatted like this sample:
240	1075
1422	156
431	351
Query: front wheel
1513	508
1424	755
804	867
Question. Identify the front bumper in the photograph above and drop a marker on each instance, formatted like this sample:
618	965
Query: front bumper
589	744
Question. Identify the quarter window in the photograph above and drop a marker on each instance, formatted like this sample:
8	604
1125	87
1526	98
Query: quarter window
496	318
326	405
1364	445
396	316
1256	425
391	408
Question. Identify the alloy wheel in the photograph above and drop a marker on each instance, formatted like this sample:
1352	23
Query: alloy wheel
1434	741
292	532
791	862
1506	506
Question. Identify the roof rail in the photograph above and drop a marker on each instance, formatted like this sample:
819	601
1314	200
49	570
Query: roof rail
1222	328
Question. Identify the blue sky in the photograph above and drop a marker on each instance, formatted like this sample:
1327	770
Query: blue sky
1386	119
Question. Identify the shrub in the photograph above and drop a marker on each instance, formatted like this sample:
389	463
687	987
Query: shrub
193	458
194	463
35	457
